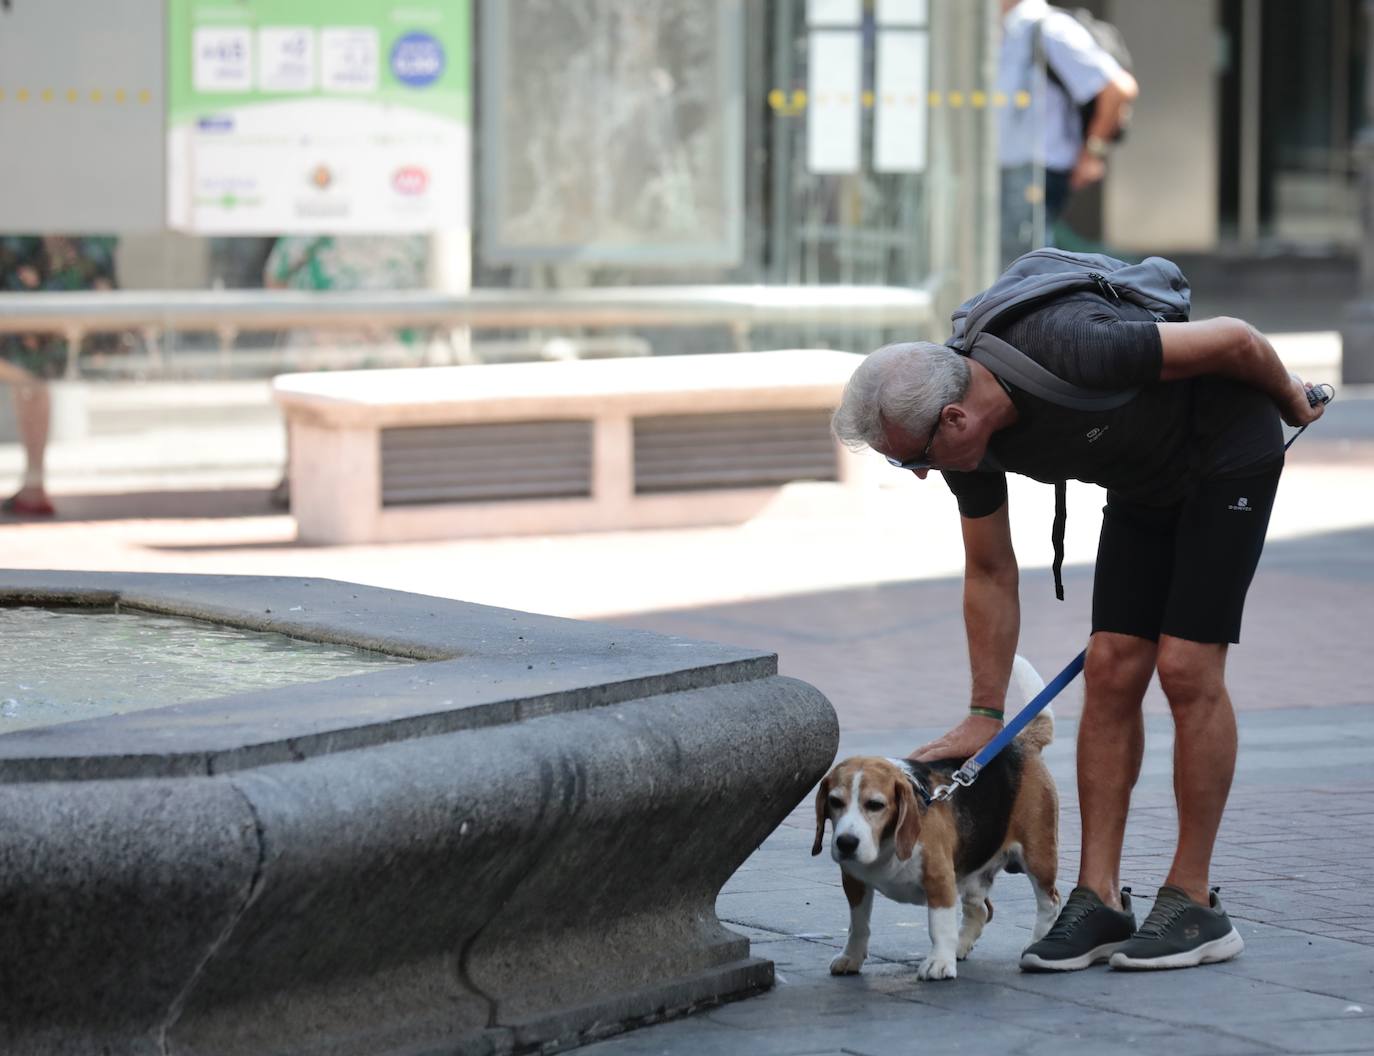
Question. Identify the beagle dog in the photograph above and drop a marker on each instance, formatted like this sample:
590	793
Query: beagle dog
889	836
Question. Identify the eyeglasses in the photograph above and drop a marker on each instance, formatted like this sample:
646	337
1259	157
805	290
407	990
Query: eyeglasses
924	461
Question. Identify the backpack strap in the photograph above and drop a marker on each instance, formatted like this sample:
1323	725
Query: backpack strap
1061	514
1012	365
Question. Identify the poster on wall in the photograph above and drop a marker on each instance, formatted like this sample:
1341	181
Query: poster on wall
622	141
318	116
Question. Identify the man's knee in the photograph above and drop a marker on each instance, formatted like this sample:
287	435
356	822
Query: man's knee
1118	665
1191	671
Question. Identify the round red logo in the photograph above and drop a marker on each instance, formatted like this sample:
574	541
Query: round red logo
410	179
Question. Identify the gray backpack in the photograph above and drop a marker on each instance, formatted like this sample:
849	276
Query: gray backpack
1037	277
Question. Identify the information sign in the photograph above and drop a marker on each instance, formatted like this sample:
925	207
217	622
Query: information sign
328	116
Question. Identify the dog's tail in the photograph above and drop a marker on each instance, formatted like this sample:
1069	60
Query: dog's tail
1026	682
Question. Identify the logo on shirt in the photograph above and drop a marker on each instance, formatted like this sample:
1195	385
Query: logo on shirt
1094	435
1242	504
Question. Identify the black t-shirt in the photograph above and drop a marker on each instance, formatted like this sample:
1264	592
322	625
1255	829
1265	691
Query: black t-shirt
1151	449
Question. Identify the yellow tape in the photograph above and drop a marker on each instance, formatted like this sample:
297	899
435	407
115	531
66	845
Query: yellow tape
794	103
98	95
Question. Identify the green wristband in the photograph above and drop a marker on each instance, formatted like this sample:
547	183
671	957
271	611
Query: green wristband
986	713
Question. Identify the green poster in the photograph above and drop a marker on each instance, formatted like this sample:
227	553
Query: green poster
328	116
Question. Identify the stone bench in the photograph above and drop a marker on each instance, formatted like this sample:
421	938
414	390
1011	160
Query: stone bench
528	448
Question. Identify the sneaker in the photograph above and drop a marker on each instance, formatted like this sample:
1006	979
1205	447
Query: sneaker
1179	933
1086	932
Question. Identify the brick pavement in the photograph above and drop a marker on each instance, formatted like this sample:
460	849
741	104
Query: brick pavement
1293	857
893	655
1292	860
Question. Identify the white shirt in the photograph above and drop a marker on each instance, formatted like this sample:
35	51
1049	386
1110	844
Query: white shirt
1084	68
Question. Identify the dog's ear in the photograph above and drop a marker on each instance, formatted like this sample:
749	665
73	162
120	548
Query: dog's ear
822	794
908	820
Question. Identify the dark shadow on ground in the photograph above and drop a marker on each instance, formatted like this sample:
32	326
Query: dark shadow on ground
159	505
894	655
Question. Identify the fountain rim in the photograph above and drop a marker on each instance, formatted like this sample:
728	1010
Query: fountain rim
477	666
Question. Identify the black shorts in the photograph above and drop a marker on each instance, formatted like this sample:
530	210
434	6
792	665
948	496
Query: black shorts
1182	570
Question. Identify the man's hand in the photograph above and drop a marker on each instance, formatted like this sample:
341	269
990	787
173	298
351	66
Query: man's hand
960	743
1297	410
1089	169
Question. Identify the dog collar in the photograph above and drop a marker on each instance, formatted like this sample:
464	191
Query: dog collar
917	786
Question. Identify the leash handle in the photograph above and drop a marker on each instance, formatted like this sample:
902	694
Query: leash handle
968	773
1315	395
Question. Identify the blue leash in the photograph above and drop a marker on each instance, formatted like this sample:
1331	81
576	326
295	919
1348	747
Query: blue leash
968	773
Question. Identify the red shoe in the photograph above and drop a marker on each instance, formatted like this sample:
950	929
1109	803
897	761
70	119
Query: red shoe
22	507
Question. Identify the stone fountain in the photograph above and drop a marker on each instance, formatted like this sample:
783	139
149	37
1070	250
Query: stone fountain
512	844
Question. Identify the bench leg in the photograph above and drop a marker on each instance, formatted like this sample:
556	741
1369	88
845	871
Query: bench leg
336	483
613	472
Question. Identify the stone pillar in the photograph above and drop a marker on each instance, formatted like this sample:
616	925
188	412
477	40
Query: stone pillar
1357	333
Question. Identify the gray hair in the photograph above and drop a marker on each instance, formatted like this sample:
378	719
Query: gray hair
905	383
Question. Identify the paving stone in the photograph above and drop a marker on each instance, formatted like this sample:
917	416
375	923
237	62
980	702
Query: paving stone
1294	879
1288	992
1346	1034
1140	1043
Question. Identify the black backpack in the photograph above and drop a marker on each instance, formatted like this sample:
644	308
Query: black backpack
1036	278
1107	37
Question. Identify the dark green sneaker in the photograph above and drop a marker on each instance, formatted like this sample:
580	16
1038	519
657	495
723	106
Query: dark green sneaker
1179	933
1086	932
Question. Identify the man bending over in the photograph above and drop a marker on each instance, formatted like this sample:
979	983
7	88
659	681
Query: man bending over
1191	465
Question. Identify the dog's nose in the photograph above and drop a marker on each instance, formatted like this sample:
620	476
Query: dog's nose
848	843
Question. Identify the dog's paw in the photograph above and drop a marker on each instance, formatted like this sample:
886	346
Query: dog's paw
846	964
937	968
966	944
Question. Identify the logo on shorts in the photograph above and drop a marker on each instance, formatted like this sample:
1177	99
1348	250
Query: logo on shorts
1094	435
1242	504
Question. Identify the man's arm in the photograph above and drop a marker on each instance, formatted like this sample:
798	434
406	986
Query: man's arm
1232	348
992	620
1113	102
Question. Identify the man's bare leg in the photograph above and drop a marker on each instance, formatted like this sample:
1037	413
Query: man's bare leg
1111	744
1193	676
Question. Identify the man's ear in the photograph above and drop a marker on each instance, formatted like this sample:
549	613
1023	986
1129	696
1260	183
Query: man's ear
908	820
822	794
